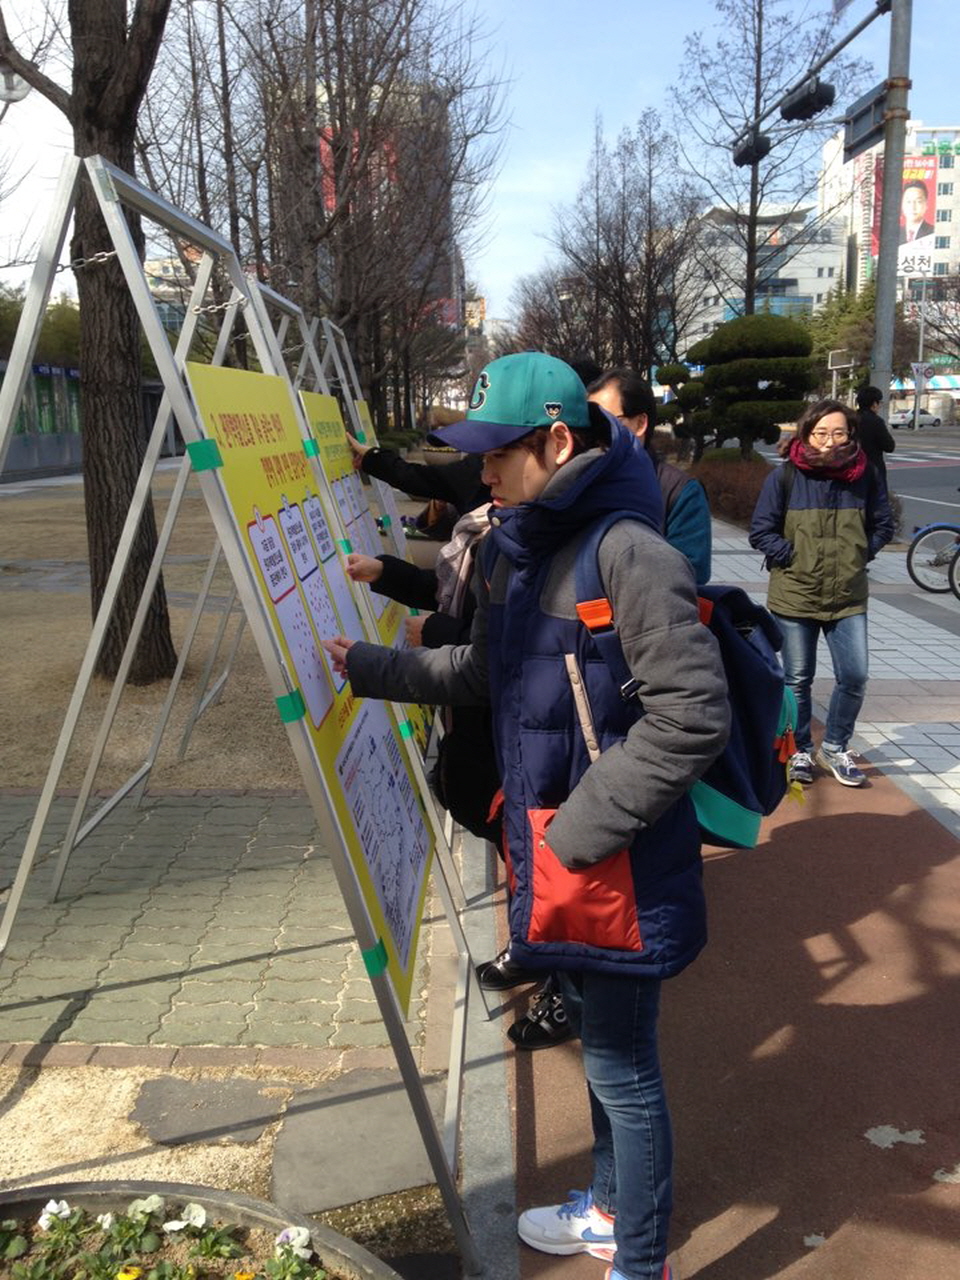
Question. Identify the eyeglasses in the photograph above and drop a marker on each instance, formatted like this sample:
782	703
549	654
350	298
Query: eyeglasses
822	437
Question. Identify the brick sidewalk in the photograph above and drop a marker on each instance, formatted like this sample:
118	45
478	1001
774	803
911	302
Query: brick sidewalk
191	921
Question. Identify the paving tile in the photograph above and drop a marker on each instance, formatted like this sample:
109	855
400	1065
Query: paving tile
200	1057
359	1034
123	1056
317	1060
194	1033
48	1055
270	1033
222	991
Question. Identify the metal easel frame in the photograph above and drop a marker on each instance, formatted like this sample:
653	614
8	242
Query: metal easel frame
449	883
202	700
116	190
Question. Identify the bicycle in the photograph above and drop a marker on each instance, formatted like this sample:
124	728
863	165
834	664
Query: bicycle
953	573
931	557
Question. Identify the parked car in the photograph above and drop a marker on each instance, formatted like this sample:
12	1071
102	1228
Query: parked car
904	418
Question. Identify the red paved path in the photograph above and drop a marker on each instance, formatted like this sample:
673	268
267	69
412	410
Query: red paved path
827	1004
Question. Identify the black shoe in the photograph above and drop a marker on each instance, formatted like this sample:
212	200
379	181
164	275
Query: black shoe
501	973
546	1024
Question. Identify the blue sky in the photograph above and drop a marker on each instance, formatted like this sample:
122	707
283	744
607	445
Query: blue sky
570	60
566	61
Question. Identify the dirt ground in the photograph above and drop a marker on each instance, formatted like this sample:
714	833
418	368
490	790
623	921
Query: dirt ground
45	623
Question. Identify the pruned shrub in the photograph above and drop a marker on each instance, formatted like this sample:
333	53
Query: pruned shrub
732	483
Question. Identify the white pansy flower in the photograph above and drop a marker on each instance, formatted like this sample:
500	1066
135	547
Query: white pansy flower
193	1215
105	1220
297	1239
52	1210
143	1208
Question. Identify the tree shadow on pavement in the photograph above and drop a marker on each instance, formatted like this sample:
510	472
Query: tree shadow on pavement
824	1009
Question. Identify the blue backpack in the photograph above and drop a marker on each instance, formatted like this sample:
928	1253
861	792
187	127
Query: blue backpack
749	779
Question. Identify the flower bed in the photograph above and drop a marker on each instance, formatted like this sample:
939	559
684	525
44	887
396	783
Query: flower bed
165	1237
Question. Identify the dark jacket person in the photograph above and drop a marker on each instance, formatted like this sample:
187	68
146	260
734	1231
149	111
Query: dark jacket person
873	433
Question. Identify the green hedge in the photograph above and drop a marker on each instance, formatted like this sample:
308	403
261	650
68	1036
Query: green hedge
745	336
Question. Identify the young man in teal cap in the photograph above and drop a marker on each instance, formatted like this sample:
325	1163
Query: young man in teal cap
601	838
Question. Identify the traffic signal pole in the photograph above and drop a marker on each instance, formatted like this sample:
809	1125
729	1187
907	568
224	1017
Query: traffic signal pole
807	94
894	142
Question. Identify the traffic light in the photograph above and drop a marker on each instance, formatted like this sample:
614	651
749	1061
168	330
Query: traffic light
752	151
807	101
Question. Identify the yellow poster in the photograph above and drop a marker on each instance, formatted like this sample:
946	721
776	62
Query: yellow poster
289	537
336	459
350	496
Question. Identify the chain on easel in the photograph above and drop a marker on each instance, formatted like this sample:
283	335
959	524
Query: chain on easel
95	259
214	307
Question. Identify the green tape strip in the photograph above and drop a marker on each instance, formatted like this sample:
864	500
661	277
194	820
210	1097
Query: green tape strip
375	959
346	546
385	522
291	707
406	729
310	447
205	455
360	438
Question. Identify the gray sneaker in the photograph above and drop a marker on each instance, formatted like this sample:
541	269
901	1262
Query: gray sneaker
800	768
840	764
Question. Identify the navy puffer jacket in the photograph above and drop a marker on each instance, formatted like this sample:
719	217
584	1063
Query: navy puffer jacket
605	856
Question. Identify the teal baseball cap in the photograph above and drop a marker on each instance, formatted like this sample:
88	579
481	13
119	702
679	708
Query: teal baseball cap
514	396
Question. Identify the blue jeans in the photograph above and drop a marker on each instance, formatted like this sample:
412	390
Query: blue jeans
616	1018
847	641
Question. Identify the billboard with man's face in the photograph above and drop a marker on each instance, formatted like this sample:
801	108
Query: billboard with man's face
918	213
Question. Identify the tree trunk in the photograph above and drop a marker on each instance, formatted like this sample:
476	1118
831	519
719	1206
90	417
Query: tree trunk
110	395
113	446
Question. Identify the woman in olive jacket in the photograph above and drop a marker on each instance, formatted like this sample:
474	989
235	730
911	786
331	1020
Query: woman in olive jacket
819	520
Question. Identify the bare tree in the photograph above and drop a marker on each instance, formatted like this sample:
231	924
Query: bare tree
551	316
362	133
113	55
622	286
941	316
761	49
630	239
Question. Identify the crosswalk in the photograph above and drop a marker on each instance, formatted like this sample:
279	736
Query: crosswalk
923	458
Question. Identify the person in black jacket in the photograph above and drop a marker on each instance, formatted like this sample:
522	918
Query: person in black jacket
874	434
456	482
465	778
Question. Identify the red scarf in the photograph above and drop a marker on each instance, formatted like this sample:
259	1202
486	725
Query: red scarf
845	462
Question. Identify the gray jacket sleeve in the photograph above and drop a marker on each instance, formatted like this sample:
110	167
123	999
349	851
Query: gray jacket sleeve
453	675
683	689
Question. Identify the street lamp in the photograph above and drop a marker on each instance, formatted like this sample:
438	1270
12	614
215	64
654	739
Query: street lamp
12	87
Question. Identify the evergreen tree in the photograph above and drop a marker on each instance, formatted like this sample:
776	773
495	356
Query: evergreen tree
758	371
846	323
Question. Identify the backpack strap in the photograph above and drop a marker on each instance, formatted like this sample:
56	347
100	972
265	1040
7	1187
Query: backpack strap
594	609
486	558
786	477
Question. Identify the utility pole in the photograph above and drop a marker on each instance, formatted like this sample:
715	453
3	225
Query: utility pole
894	142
